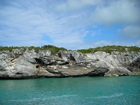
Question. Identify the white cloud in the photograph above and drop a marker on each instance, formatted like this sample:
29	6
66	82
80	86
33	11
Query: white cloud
65	22
72	5
30	25
104	12
117	12
130	31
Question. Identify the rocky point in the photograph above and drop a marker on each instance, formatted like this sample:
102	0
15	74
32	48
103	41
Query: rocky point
29	64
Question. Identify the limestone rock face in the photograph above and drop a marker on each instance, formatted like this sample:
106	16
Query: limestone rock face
27	64
115	60
134	66
5	60
30	55
17	52
71	55
120	71
99	71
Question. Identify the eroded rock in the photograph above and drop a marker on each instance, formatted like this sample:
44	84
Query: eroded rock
23	64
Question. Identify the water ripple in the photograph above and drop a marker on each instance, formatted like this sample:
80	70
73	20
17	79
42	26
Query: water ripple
110	96
48	98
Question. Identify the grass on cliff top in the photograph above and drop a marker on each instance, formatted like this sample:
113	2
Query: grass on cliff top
52	48
55	49
110	49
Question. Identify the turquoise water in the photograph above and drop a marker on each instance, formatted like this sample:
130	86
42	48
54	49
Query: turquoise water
71	91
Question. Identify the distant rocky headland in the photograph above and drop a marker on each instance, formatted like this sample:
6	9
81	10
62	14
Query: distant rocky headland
52	61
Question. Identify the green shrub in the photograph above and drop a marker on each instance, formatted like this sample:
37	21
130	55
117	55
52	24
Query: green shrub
55	49
86	50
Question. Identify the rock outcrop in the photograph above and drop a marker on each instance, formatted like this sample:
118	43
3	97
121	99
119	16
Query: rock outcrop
29	64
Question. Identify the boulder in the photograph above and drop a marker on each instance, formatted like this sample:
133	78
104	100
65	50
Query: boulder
120	71
43	53
99	71
30	55
63	55
17	52
76	56
71	55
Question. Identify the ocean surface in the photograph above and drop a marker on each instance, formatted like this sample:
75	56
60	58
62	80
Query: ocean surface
71	91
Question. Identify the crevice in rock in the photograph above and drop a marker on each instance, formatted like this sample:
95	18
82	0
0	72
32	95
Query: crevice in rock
19	73
39	61
72	58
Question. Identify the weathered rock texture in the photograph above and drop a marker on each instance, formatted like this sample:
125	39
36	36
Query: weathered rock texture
28	64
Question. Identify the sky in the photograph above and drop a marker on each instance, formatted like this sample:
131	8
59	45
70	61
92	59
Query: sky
73	24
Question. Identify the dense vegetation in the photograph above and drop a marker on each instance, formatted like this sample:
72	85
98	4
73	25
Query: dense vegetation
109	49
55	49
52	48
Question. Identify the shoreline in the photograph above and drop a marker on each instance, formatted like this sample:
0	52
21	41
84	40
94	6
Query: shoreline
36	77
26	64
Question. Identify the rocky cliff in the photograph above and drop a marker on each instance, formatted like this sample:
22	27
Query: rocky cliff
27	64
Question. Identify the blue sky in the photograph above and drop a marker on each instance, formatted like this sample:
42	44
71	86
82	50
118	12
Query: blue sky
73	24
